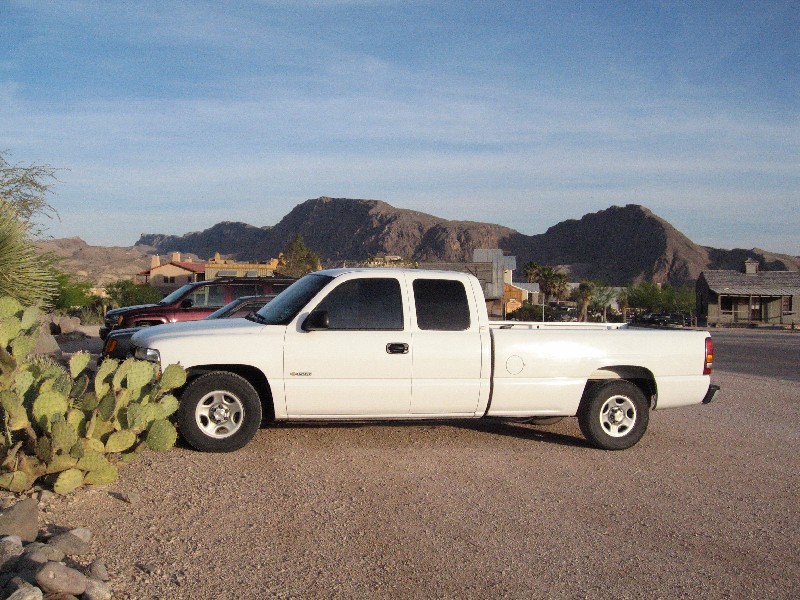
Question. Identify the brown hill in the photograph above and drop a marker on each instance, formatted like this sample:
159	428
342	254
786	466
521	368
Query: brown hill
617	245
99	265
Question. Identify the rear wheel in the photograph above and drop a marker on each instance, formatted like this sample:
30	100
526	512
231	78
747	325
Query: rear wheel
614	415
219	412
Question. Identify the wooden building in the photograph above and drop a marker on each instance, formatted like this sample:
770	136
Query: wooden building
748	297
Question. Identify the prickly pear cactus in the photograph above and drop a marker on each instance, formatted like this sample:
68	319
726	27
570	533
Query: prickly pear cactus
55	423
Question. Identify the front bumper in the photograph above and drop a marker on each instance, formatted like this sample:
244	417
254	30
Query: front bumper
711	394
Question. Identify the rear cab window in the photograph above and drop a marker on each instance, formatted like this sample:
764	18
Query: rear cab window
441	305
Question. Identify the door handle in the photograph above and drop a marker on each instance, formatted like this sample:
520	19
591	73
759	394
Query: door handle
397	348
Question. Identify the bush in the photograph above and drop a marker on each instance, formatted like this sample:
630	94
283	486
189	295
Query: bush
58	428
127	293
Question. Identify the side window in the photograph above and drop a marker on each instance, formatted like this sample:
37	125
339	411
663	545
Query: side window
250	289
365	304
441	304
208	295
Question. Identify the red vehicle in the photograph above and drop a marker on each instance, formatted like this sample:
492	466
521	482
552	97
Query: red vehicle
192	302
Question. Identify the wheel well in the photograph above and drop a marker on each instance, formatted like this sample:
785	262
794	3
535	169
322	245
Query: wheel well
254	376
639	376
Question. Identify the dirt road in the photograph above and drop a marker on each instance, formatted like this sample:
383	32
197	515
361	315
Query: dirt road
704	506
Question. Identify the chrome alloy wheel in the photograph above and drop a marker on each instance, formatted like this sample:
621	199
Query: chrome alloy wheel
617	415
219	414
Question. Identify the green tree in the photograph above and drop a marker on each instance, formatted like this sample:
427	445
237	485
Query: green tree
72	294
125	292
298	259
602	298
531	271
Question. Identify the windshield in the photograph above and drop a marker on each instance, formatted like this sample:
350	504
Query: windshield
288	303
170	298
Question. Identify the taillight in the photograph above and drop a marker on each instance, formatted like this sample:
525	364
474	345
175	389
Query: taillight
110	346
709	357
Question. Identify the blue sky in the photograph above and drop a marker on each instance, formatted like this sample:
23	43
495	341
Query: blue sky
168	117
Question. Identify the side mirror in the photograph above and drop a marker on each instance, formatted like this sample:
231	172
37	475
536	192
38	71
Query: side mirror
187	303
317	320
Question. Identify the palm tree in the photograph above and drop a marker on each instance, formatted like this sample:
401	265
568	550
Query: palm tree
552	282
583	296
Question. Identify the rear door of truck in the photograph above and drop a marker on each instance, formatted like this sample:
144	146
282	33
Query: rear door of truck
447	347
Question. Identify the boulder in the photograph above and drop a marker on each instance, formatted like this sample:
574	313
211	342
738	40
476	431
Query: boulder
21	520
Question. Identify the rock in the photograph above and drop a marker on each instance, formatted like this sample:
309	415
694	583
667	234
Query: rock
51	552
69	543
69	324
21	520
97	570
82	533
55	577
47	344
96	590
27	592
46	496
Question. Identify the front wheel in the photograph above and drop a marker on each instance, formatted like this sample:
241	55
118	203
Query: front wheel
614	415
219	412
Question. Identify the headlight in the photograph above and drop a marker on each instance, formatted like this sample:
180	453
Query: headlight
147	354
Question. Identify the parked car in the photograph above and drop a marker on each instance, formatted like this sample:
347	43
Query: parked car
192	302
662	319
118	342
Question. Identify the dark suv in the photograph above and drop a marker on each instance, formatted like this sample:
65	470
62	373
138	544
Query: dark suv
192	302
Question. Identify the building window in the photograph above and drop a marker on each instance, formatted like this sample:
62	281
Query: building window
169	279
787	305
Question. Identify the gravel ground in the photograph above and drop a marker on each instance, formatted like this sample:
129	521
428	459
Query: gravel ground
704	506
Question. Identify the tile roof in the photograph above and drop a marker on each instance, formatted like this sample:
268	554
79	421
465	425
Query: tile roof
763	283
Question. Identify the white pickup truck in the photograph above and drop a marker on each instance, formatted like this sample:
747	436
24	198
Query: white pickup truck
360	344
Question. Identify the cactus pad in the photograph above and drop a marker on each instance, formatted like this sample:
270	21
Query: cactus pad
16	482
120	441
174	376
140	374
64	436
61	462
68	481
168	405
92	461
104	476
46	406
17	415
9	329
9	307
78	363
161	436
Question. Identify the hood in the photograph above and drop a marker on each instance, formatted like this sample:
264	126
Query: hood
125	309
151	336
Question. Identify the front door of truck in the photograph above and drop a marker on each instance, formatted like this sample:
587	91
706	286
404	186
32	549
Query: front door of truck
356	361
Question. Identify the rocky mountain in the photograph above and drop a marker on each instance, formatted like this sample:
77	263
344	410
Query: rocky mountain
617	245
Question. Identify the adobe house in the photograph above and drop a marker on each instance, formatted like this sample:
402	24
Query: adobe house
748	297
173	274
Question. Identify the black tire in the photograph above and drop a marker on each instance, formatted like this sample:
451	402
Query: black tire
614	415
219	412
